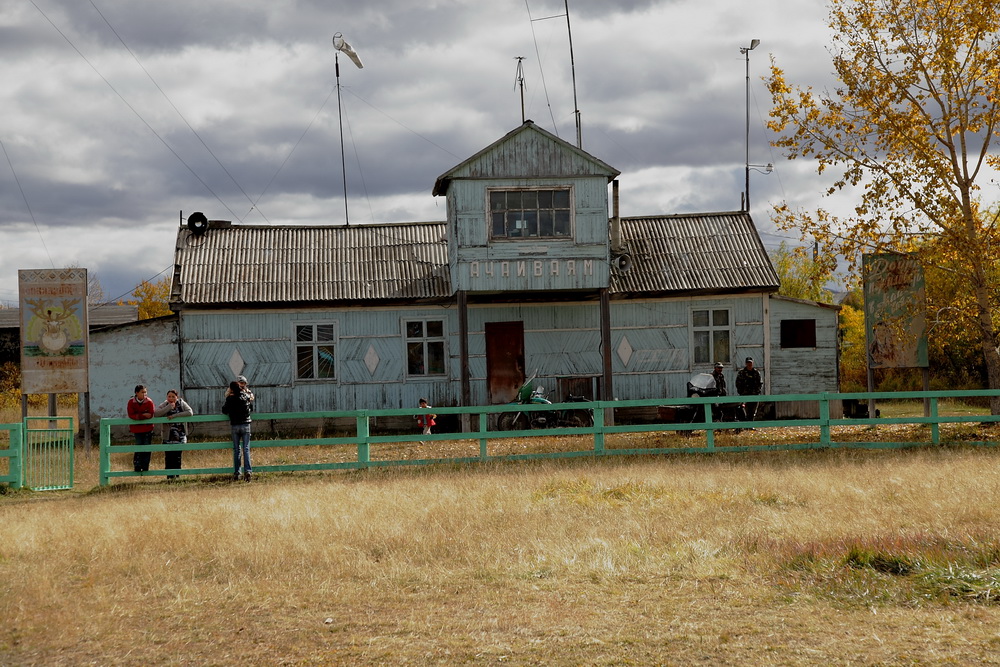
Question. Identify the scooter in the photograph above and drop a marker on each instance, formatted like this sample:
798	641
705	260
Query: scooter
535	419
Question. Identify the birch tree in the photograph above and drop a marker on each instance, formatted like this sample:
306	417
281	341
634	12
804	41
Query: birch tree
912	123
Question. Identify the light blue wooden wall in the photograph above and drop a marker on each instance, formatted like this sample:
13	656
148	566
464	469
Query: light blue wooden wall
476	263
651	351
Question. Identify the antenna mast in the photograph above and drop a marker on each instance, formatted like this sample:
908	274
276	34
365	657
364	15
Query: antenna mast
572	63
339	44
340	116
519	81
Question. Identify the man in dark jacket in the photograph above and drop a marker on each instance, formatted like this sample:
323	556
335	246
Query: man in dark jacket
238	407
749	383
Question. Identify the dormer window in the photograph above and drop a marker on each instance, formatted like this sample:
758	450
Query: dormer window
536	213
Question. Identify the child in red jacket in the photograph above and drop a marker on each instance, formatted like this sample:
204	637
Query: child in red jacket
425	419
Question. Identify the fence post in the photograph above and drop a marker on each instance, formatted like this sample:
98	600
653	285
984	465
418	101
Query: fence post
16	460
824	416
364	447
709	427
483	442
598	430
104	453
935	425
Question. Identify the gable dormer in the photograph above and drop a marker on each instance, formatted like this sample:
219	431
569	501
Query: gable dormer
528	213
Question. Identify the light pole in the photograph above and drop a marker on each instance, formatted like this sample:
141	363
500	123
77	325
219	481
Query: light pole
745	50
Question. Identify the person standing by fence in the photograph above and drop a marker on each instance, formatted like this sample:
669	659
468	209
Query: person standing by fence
238	407
140	408
749	383
425	419
174	406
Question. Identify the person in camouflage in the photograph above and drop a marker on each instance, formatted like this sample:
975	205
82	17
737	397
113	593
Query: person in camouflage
749	383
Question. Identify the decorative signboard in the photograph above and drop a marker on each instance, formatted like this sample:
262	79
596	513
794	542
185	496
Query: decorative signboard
54	331
895	311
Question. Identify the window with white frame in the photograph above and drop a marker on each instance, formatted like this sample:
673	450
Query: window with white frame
315	351
530	213
425	354
711	335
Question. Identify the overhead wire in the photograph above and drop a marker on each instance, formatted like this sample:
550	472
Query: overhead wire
134	110
361	172
174	107
541	70
26	204
118	298
405	127
292	150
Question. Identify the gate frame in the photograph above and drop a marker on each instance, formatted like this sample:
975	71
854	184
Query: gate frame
67	442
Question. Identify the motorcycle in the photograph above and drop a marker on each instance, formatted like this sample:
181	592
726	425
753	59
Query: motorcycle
536	419
703	385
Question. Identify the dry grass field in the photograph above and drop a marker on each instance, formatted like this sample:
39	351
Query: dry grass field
808	558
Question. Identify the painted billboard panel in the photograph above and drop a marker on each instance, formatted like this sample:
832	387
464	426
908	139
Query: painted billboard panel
895	311
54	330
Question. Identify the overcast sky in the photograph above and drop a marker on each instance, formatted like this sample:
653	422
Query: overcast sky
119	115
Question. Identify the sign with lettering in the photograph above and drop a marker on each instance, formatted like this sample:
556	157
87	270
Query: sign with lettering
54	331
547	273
895	311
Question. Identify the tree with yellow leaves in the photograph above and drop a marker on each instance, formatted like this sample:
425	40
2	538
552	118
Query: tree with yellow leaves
912	123
802	276
152	298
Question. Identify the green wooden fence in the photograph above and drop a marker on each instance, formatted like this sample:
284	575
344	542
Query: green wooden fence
12	453
361	441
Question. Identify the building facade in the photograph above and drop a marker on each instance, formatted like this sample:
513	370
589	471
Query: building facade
534	273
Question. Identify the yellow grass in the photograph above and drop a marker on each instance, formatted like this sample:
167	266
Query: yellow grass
731	559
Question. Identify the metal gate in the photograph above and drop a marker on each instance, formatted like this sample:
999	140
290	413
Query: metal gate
48	453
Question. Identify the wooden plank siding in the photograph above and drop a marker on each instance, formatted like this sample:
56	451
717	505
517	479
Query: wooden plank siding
795	370
561	340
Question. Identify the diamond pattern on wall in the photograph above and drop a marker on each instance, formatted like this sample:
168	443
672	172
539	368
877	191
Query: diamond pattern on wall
625	350
236	363
371	359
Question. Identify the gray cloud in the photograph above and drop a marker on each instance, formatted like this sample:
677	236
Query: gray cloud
107	165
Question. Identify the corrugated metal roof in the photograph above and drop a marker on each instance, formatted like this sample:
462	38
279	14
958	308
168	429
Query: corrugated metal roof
703	252
694	254
293	264
527	151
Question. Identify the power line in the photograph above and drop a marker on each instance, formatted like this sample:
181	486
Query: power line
292	150
541	71
133	110
174	107
27	205
408	129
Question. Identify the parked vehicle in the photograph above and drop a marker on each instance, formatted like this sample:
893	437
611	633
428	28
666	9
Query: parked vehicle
703	385
534	419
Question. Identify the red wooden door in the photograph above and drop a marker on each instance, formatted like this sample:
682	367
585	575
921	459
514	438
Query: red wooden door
504	360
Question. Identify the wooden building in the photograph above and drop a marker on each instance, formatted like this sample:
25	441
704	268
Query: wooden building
533	273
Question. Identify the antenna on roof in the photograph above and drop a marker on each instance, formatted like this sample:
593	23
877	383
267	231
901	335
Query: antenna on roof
572	63
340	44
519	81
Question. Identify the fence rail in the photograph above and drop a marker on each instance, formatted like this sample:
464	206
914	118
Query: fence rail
361	441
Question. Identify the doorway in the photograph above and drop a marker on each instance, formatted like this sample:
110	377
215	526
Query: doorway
504	360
